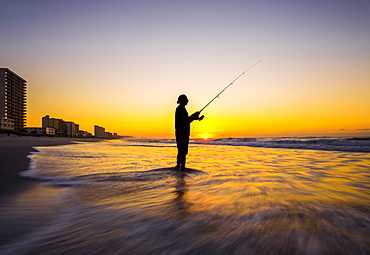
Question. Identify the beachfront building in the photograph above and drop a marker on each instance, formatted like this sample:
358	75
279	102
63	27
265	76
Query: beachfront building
99	131
84	133
58	124
12	100
50	131
77	127
41	130
71	128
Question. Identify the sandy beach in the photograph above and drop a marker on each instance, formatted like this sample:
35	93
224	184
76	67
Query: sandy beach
24	204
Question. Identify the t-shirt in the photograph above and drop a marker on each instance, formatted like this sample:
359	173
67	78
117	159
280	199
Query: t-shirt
179	123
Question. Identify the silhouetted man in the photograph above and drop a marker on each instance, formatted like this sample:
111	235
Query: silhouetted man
182	126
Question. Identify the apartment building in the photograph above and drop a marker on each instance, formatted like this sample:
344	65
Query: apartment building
41	130
58	124
13	96
72	128
84	133
99	131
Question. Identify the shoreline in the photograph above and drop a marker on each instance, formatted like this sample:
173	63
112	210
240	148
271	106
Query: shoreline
25	204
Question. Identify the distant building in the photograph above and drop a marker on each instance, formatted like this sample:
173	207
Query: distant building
84	133
58	124
50	131
71	128
41	130
35	130
77	129
12	100
99	131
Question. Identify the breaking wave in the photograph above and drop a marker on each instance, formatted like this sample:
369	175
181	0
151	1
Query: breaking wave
348	144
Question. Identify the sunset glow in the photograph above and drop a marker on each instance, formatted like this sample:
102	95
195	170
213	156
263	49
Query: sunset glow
123	64
205	136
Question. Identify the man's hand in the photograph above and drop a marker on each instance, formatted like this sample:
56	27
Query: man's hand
195	116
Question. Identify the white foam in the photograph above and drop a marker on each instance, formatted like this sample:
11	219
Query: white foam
348	144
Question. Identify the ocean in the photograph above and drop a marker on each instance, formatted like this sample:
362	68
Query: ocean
239	196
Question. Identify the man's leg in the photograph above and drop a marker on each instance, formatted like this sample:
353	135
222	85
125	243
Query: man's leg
183	162
182	141
178	165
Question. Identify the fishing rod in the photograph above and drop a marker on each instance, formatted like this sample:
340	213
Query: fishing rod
218	95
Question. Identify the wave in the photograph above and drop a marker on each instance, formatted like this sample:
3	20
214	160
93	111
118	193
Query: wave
88	179
347	144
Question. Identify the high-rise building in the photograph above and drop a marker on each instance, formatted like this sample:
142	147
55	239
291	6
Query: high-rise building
99	131
77	129
72	128
58	124
13	94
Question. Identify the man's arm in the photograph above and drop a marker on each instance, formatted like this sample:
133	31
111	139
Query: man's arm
191	118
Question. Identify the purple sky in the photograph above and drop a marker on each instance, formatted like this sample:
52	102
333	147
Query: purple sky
159	49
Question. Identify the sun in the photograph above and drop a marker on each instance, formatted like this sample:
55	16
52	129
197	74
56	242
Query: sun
205	136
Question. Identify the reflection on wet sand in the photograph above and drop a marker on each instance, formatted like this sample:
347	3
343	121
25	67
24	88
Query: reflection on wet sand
180	204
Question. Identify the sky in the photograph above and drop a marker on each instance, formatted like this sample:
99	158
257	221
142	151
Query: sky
122	64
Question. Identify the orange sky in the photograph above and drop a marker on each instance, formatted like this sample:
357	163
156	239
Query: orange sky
123	65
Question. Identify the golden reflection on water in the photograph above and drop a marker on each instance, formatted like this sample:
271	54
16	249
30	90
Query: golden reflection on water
230	174
233	200
240	175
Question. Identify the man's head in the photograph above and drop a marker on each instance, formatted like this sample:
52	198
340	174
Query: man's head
183	100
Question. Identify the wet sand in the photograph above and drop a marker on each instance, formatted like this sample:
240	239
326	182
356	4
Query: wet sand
24	204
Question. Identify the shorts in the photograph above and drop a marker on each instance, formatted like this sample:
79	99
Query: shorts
182	141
